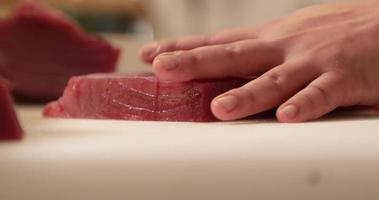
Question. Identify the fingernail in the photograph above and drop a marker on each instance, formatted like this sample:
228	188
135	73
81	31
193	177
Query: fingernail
290	111
168	62
228	102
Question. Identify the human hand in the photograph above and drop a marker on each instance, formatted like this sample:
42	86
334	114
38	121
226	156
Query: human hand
309	63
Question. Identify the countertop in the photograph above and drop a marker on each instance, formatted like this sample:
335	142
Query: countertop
336	157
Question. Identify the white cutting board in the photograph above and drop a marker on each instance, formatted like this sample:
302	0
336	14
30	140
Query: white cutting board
335	158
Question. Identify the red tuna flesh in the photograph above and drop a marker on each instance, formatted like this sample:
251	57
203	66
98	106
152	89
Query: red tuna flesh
40	49
138	97
9	126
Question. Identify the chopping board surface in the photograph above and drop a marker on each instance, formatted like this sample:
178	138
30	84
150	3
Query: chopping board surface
333	158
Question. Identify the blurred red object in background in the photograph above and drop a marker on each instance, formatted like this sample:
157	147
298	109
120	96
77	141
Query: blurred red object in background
10	128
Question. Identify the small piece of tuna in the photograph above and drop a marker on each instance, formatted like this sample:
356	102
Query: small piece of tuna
9	127
138	97
40	49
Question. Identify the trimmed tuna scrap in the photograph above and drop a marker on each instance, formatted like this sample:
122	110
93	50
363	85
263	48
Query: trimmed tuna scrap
41	48
10	128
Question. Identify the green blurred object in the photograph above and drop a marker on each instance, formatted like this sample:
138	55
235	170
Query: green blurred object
4	10
104	16
104	22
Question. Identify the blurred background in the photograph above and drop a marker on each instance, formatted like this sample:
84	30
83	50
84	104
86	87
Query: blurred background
131	23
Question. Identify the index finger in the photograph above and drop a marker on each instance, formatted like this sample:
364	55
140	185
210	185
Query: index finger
150	51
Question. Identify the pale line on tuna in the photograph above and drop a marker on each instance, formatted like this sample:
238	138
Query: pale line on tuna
125	87
173	108
130	107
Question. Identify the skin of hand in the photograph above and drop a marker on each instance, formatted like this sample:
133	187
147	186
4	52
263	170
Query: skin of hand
308	63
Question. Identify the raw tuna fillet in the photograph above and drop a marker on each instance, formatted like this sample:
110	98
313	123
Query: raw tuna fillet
138	97
9	126
40	49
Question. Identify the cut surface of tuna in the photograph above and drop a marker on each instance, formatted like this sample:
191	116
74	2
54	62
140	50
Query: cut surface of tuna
138	97
9	126
40	49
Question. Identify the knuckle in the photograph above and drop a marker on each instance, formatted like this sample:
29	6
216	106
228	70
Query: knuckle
331	57
323	95
233	51
306	100
312	63
336	62
276	80
250	96
348	88
317	100
274	48
307	103
190	59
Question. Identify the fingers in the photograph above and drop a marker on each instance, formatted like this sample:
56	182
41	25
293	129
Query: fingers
150	51
318	98
242	58
264	93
